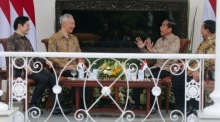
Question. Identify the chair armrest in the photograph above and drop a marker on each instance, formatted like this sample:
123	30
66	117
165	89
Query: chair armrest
3	74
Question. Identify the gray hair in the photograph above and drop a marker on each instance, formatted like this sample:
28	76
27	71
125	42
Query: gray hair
64	17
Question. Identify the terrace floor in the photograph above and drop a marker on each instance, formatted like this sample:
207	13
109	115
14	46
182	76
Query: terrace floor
99	117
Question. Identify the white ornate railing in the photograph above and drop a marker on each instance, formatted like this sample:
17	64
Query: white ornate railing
19	89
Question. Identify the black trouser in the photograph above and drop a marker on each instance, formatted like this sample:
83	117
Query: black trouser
67	73
138	91
178	83
43	79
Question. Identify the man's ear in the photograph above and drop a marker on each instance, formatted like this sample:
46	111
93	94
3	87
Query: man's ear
170	30
207	30
63	23
19	25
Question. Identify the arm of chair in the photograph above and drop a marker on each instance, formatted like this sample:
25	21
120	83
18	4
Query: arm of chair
3	74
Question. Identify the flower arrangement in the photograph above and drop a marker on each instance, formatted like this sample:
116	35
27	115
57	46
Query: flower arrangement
123	96
110	69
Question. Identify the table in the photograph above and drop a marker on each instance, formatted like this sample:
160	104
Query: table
120	83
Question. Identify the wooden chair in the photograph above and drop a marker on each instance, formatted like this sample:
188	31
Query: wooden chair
3	76
62	78
45	41
30	82
4	73
166	81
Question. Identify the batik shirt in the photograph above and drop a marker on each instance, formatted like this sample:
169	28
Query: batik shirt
169	44
18	43
207	46
59	43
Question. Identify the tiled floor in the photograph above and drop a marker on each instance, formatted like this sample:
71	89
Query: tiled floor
98	117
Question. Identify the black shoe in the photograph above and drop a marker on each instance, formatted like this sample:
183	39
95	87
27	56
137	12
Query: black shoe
154	111
74	109
192	111
133	106
178	113
57	110
181	111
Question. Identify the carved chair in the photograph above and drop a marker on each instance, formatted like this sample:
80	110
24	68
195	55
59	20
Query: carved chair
30	82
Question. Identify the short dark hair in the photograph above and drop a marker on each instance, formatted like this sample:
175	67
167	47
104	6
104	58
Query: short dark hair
210	24
20	20
171	24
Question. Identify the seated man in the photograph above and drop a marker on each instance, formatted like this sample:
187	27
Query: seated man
64	41
207	46
168	43
19	42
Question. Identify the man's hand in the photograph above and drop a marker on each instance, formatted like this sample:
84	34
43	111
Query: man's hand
49	63
195	75
140	43
181	65
29	71
149	45
69	67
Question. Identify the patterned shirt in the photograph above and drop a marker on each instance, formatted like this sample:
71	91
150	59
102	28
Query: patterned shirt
19	43
59	43
207	46
169	45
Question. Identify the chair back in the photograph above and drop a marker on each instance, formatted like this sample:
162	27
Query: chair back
3	41
45	41
184	44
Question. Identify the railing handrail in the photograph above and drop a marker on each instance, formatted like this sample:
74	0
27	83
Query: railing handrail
108	55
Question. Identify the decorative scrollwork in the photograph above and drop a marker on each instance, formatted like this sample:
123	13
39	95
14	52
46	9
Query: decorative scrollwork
106	91
79	116
21	60
36	67
133	68
57	89
177	68
192	118
19	89
130	115
192	90
197	63
175	117
156	91
34	112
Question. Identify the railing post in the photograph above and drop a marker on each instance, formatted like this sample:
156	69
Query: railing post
214	110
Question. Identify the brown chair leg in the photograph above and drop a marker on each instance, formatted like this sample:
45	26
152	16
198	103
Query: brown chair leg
159	99
49	101
28	97
0	86
167	97
7	95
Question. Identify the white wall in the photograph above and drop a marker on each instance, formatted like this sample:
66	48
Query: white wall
195	12
45	21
